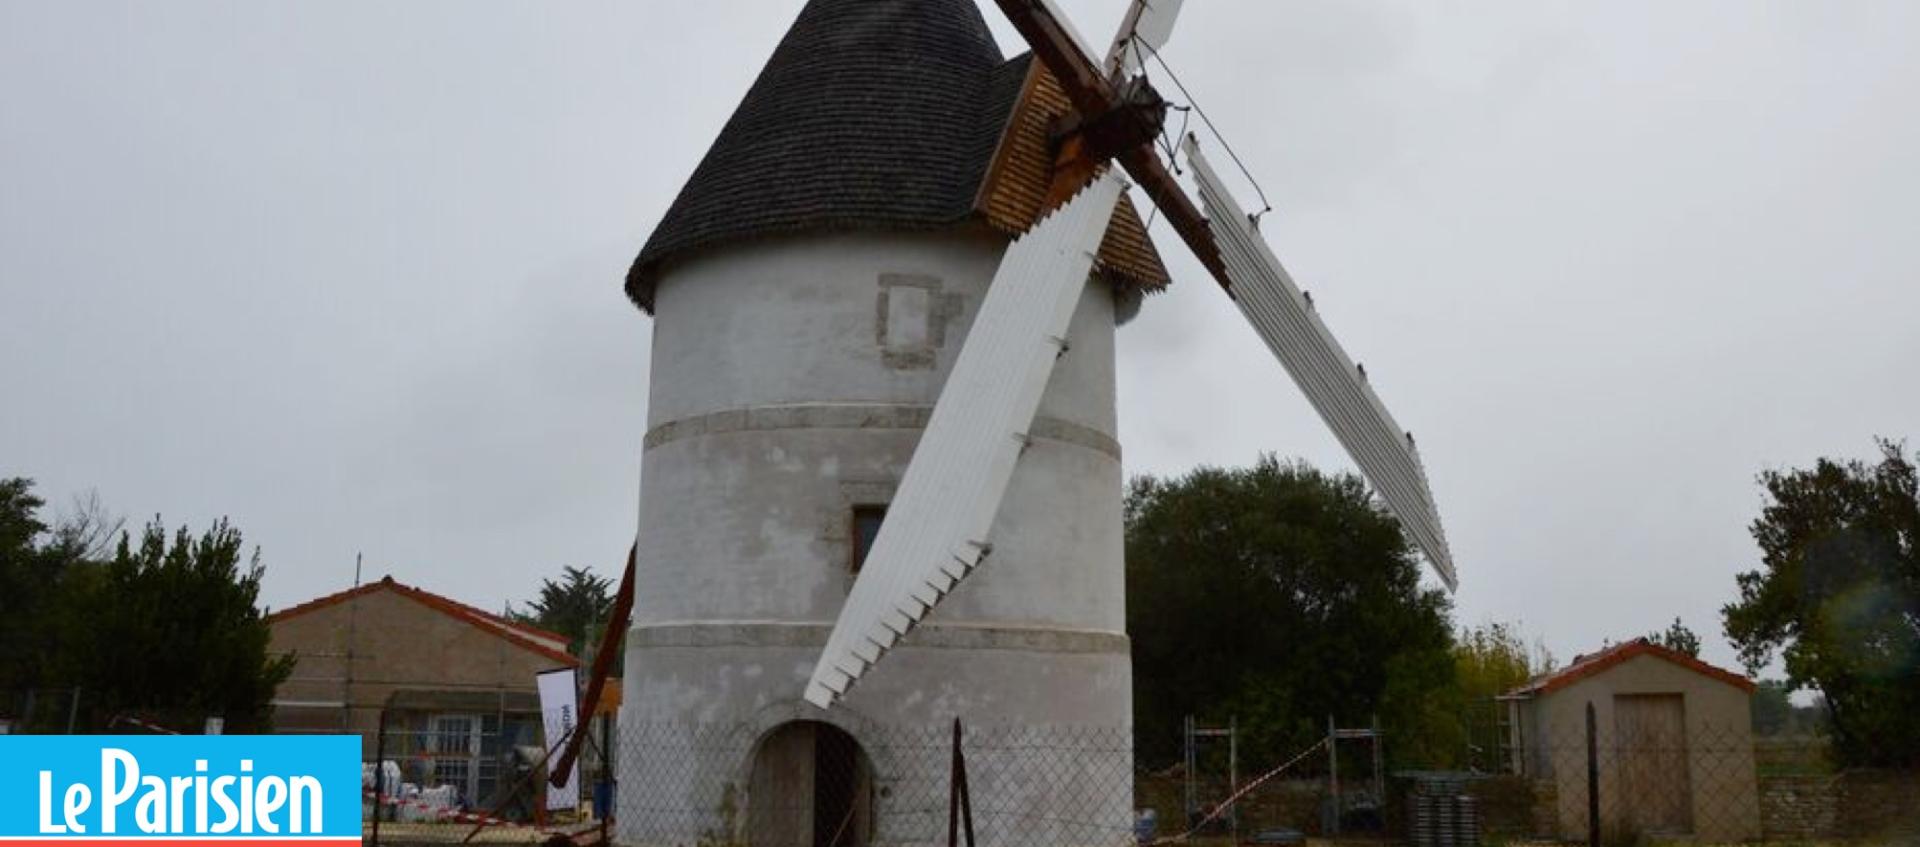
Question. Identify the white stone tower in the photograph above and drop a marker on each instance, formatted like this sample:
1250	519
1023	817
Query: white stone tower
810	288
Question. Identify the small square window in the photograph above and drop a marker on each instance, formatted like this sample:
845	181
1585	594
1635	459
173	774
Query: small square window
911	319
909	324
866	527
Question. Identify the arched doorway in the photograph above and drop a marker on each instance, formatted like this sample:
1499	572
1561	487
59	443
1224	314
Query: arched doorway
812	787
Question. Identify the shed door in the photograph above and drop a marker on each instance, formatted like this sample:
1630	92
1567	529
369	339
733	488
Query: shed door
1650	743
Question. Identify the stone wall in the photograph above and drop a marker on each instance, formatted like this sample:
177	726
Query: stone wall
1868	806
1879	804
1874	806
1861	804
1795	808
1511	807
1546	804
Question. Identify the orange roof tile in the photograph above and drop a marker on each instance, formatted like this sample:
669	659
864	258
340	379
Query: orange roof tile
1586	666
526	636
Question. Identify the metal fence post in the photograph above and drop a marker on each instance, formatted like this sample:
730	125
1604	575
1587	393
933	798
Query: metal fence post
1233	775
606	774
953	790
73	711
1191	771
1593	780
1333	775
959	801
379	774
1379	772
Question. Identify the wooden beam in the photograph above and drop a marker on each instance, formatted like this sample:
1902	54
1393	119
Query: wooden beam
611	640
1054	46
1093	96
1144	165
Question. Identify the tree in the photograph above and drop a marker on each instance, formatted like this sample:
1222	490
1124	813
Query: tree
1279	596
38	565
577	607
1772	707
25	580
1488	661
86	531
20	522
1492	659
176	630
1678	638
1838	597
169	631
1775	714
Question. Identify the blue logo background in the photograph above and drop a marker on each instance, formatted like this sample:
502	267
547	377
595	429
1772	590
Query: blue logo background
334	760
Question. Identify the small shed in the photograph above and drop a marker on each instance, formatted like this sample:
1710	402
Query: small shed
1673	744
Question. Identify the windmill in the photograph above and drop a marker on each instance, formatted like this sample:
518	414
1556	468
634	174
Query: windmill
937	530
885	306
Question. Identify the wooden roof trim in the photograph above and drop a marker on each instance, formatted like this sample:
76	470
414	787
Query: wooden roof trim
1003	147
1018	186
1127	249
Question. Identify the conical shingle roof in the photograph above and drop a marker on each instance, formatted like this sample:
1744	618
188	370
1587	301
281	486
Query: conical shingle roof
872	114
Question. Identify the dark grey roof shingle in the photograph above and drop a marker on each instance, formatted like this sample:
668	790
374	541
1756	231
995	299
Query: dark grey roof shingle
871	114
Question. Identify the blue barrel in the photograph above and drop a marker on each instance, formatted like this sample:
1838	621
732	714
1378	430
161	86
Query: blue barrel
603	799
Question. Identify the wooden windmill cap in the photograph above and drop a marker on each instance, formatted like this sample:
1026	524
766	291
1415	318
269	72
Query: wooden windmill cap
882	115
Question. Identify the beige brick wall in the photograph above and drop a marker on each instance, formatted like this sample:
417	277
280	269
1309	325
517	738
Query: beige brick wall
396	643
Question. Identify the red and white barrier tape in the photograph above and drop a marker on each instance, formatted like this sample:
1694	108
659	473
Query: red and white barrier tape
1228	803
446	813
150	727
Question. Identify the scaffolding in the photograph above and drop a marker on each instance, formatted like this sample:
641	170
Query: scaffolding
1193	735
1338	805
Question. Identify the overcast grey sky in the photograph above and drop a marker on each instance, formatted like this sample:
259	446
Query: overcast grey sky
349	272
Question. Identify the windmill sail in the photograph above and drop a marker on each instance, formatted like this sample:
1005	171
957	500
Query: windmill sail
935	531
1147	26
1337	388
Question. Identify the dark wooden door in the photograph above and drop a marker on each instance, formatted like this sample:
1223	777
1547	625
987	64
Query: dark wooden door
811	787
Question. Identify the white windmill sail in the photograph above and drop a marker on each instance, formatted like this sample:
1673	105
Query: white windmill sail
1148	25
1337	388
935	531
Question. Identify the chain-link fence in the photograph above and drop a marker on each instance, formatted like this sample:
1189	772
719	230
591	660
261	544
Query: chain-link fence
1651	783
1652	779
40	711
436	775
812	783
445	770
800	783
67	711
